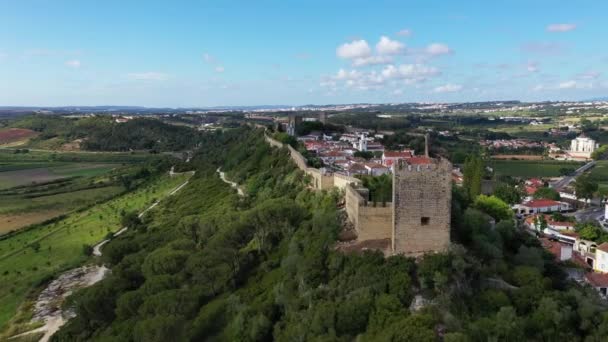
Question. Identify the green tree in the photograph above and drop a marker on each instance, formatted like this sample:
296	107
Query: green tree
584	187
547	193
508	193
494	207
473	172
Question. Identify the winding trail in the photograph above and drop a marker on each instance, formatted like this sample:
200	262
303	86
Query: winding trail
239	190
48	305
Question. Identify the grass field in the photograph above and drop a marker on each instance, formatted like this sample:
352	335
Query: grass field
50	172
599	173
536	168
33	256
9	155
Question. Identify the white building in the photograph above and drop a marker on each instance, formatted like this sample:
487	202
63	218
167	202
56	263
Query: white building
582	147
537	206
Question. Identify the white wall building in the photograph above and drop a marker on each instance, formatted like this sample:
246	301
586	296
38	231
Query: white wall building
582	147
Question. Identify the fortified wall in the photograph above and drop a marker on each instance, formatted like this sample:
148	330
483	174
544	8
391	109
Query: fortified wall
371	222
418	219
320	180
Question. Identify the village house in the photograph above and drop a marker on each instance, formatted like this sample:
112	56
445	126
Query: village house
331	157
375	169
601	258
536	206
534	222
598	281
392	157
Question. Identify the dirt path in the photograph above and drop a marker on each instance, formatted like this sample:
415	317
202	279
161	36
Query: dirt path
239	190
48	305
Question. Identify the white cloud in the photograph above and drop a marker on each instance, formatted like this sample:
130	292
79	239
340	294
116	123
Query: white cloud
219	69
438	49
386	46
348	75
372	60
574	85
354	49
561	27
405	33
74	63
412	71
398	92
448	88
148	76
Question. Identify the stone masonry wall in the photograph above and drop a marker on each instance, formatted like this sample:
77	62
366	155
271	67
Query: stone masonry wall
370	222
422	196
320	181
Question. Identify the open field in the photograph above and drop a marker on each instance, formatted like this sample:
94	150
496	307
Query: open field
32	257
599	173
15	136
50	172
9	155
10	222
517	156
526	168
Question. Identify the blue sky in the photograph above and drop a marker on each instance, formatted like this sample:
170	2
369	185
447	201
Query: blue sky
209	53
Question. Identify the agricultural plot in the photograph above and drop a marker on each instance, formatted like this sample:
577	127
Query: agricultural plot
15	136
32	257
528	168
49	172
599	173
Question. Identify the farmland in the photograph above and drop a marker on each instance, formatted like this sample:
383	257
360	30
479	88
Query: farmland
39	185
15	136
526	168
32	257
599	174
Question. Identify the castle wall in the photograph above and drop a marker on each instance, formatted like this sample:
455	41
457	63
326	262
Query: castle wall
422	196
341	181
319	180
370	222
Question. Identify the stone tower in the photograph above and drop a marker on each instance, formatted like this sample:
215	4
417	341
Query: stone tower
422	199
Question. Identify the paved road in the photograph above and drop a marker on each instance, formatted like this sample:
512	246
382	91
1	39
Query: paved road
565	181
589	214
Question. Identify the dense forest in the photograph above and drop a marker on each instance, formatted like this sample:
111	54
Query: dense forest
102	133
212	266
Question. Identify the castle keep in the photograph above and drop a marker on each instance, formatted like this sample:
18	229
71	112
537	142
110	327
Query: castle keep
417	221
422	196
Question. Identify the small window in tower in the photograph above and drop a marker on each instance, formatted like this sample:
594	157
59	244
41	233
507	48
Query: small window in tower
424	221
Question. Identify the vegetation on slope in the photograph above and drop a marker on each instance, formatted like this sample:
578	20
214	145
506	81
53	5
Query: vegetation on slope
213	266
31	257
101	133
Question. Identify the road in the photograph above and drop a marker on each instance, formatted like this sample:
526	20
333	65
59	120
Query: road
589	214
565	181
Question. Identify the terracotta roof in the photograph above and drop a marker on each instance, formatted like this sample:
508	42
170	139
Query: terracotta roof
535	181
530	190
570	233
397	154
552	247
332	154
540	203
356	166
597	279
603	247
